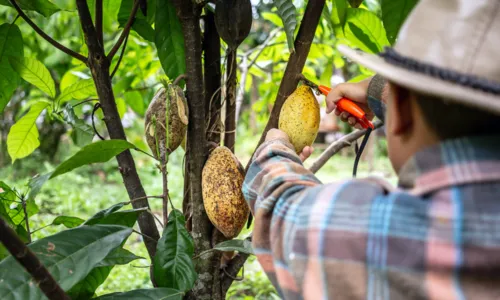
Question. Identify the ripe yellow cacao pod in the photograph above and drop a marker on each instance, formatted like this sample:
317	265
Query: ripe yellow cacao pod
222	180
299	118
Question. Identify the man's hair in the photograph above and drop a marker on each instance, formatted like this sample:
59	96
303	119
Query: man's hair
450	120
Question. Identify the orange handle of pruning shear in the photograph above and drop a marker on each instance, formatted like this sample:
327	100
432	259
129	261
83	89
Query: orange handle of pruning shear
349	106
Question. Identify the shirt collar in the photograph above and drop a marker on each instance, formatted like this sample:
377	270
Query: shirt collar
452	162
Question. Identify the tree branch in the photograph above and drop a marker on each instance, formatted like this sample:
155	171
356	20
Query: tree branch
338	145
296	62
46	36
31	263
119	58
99	67
125	32
98	20
230	101
211	48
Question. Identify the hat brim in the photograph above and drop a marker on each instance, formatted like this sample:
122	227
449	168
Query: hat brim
423	83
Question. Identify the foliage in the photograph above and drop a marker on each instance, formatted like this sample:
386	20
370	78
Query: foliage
58	90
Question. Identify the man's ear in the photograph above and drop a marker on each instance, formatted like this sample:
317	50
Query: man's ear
401	113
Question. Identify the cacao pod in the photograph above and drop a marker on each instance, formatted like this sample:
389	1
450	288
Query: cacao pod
233	19
222	180
155	123
299	118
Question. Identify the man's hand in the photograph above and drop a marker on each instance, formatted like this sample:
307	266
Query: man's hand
356	92
276	134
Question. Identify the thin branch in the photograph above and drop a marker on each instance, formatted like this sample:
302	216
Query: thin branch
98	20
120	58
26	218
46	36
338	145
96	107
143	198
144	152
31	263
179	78
263	46
86	101
125	32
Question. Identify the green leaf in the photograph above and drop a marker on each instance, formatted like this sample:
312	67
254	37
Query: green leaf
79	90
44	7
135	101
141	24
34	72
169	40
82	133
394	14
124	218
23	136
364	30
11	43
35	184
173	266
145	294
242	246
86	288
69	222
97	152
338	17
121	107
69	256
119	256
288	14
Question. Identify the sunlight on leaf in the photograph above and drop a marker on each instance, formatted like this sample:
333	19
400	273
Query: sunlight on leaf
23	136
34	72
364	30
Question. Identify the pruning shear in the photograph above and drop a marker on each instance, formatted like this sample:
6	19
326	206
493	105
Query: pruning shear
343	104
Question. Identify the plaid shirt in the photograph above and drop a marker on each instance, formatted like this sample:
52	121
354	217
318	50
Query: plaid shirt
436	236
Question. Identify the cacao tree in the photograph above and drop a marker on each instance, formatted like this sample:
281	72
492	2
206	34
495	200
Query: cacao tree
192	49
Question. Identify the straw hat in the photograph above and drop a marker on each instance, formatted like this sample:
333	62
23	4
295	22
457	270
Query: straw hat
446	48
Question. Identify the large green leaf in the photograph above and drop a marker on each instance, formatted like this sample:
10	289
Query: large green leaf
86	288
11	43
394	14
145	294
68	221
288	14
173	266
141	24
364	30
135	101
97	152
338	17
242	246
34	72
169	40
79	90
23	136
119	256
69	256
44	7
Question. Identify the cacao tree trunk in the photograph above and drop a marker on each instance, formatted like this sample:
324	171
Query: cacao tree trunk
207	268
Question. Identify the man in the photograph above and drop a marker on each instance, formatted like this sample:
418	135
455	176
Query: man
435	236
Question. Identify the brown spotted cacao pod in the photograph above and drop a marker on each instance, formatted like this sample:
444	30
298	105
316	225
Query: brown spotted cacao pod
155	123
